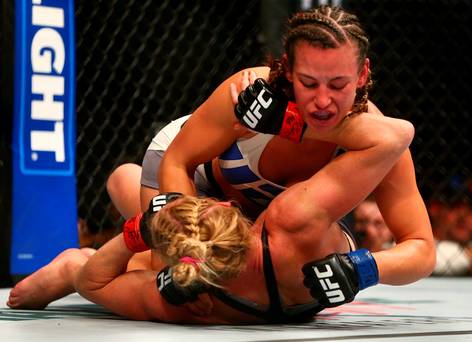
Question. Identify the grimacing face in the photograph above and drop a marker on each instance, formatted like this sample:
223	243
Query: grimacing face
325	82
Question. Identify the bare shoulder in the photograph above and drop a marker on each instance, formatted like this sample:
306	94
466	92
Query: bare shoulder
219	108
373	109
261	72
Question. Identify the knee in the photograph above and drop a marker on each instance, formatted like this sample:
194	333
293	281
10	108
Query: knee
73	259
76	253
88	252
114	180
119	178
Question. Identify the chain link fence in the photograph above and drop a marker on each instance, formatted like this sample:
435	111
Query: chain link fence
141	64
420	72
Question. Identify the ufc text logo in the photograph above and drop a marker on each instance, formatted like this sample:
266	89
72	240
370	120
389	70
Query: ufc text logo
158	202
164	278
253	114
331	289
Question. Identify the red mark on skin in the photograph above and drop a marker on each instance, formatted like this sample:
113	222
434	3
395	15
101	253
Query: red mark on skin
361	308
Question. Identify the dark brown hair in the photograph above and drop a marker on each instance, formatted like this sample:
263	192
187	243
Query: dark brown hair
326	27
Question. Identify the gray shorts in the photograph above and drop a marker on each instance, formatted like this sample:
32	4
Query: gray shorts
150	167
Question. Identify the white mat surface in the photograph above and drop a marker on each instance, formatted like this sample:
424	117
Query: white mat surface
434	309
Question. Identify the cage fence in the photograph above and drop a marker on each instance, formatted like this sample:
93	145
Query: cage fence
141	64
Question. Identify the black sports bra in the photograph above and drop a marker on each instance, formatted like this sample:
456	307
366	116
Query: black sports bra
276	312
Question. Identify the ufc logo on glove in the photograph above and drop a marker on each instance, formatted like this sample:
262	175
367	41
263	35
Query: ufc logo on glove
164	278
158	202
331	289
337	278
253	114
267	111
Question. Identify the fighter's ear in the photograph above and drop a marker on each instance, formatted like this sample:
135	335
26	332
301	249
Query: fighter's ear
287	67
364	74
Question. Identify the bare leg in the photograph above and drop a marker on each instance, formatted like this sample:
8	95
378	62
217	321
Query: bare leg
51	282
129	197
123	187
125	190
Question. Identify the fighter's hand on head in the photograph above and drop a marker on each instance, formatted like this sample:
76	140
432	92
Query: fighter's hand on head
135	230
247	78
264	110
138	239
193	297
336	279
203	306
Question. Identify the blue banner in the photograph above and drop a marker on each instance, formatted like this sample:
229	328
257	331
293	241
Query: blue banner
44	220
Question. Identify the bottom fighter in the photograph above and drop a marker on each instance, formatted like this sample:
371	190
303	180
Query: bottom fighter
219	268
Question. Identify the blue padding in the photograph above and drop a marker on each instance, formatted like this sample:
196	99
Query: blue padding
239	175
44	201
366	268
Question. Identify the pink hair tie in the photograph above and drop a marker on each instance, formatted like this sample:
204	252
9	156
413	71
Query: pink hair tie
224	204
191	260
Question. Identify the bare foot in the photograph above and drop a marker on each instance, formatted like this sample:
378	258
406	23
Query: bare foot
51	282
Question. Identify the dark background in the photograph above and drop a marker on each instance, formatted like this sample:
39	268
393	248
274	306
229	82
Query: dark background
141	64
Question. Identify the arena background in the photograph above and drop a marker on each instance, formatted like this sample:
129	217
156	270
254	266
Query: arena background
141	64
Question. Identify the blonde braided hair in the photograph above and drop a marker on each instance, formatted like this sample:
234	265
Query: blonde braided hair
216	236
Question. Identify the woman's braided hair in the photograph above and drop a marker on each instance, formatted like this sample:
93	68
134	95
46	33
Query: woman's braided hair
326	27
202	229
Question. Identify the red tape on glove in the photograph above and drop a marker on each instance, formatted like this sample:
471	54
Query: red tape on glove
132	235
293	125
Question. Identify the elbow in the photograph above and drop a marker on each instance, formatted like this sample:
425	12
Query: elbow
397	137
402	134
406	133
82	285
427	260
430	260
85	286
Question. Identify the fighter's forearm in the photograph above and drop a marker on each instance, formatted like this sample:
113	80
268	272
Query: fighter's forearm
176	178
110	261
407	262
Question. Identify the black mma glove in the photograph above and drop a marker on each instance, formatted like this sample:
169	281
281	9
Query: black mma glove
264	110
135	231
337	279
173	292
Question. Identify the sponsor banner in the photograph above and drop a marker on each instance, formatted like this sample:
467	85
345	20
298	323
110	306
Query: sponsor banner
44	220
